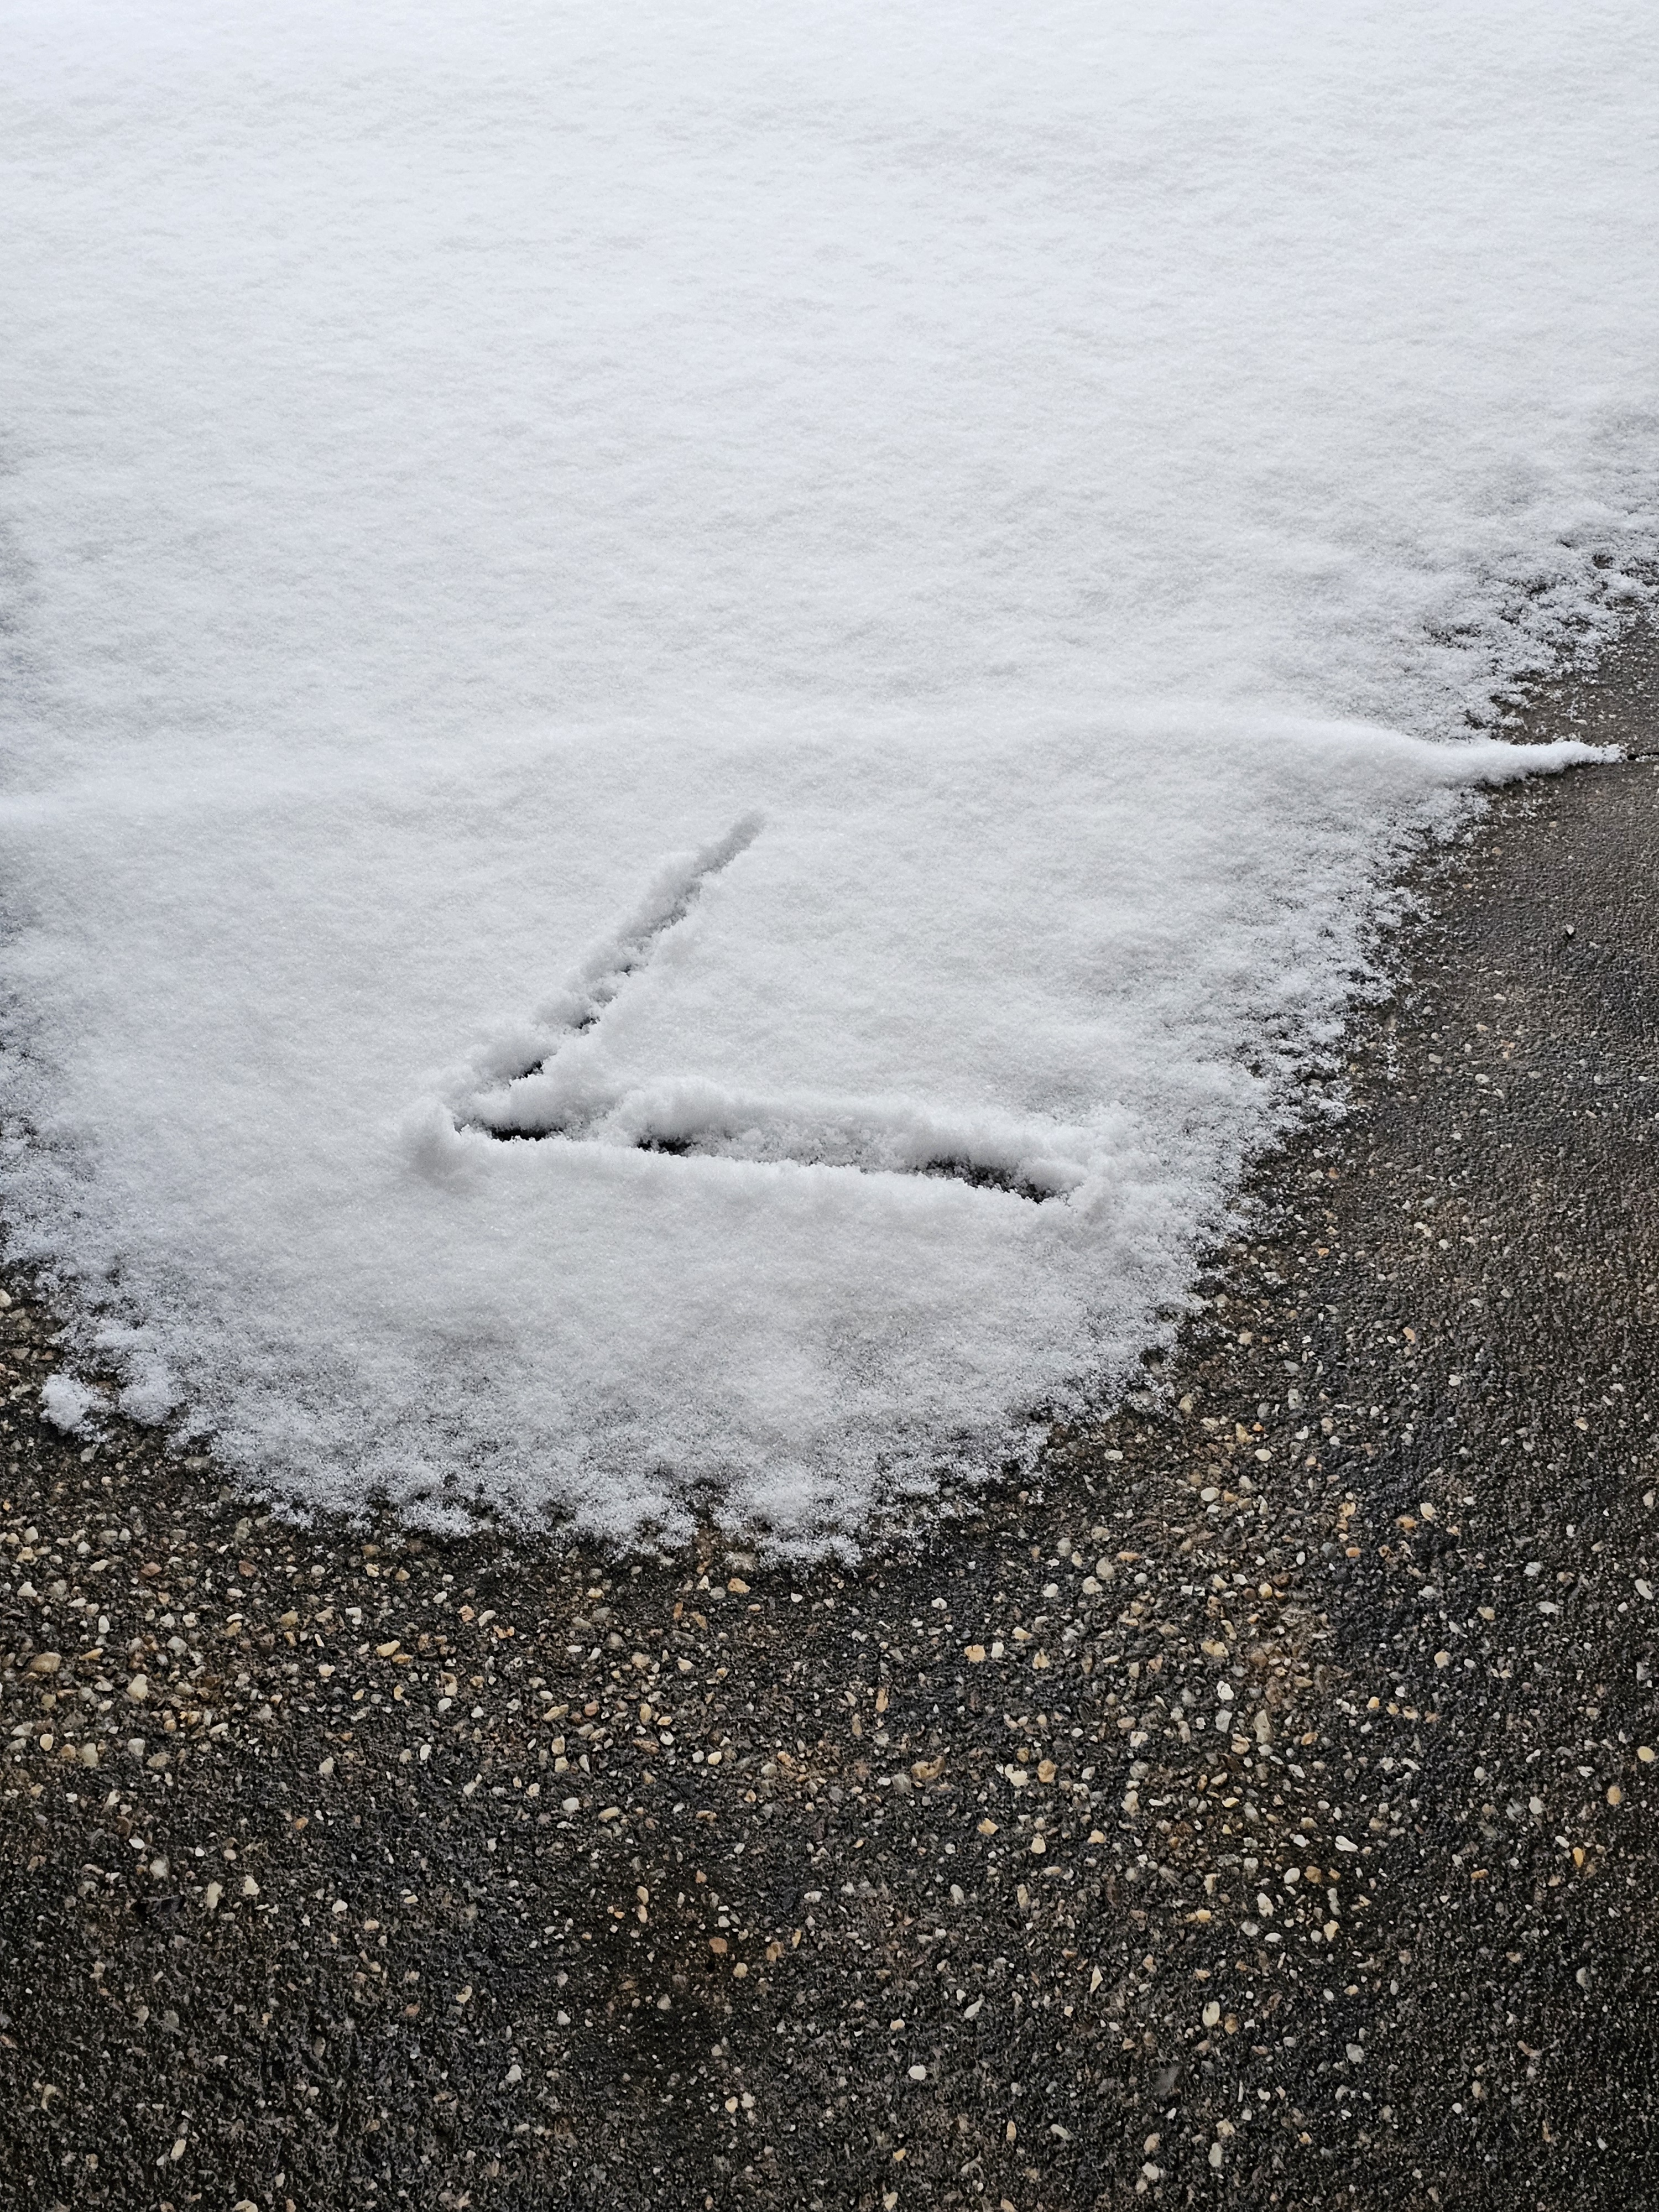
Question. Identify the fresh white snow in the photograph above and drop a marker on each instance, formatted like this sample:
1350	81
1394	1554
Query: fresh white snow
707	702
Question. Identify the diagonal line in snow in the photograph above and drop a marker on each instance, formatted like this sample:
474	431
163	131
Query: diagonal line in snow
602	974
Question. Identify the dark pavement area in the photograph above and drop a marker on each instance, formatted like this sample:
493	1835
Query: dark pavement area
1260	1811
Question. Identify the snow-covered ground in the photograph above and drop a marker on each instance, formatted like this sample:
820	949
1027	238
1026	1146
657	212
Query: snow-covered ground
705	699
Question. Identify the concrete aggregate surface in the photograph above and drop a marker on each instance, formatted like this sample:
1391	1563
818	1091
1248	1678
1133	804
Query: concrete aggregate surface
1259	1809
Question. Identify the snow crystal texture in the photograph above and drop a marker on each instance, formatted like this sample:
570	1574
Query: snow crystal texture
706	701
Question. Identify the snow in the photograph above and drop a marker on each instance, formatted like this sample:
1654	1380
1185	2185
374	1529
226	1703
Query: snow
708	704
68	1404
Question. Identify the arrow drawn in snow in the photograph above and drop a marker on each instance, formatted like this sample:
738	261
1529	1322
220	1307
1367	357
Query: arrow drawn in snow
544	1096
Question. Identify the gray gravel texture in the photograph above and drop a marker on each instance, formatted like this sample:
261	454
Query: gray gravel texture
1260	1812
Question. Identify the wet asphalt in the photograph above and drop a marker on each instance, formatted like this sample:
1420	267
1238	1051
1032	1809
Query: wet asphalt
1258	1809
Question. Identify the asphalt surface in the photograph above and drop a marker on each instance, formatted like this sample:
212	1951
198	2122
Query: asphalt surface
1260	1812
